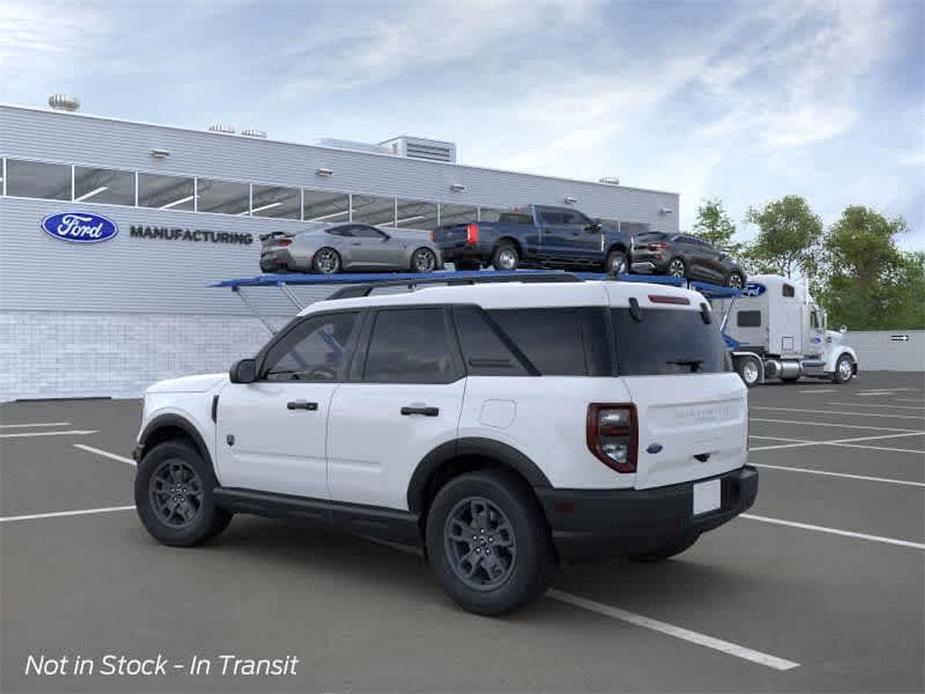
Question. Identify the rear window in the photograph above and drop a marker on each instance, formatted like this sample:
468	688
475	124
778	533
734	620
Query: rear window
667	341
515	218
558	341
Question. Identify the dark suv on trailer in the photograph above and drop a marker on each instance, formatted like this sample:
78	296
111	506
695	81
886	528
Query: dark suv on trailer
685	256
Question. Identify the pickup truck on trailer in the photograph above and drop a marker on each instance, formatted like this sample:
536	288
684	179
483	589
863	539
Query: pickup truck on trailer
778	331
536	236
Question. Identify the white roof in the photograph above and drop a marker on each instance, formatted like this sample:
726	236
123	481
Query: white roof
525	295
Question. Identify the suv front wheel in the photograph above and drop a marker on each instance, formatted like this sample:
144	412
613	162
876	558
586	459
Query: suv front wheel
488	543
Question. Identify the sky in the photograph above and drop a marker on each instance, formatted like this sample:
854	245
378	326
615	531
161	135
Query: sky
741	101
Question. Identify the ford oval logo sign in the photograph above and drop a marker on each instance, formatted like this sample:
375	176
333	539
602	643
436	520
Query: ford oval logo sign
79	227
753	289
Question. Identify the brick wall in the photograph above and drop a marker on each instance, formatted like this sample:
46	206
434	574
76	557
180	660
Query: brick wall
47	354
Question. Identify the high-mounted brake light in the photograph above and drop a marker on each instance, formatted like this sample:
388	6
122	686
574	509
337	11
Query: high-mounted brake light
667	299
472	234
612	435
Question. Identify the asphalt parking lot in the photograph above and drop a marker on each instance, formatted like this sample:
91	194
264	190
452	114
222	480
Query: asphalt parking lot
821	587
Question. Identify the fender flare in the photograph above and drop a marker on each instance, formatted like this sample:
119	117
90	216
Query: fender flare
470	446
836	354
174	420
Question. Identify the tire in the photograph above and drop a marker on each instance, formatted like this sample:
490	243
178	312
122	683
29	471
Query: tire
749	370
178	464
467	265
844	370
676	267
666	551
423	260
326	261
616	263
505	256
496	507
735	280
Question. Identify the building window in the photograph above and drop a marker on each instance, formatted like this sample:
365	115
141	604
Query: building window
166	192
35	179
416	215
324	206
223	197
369	209
104	186
275	201
458	214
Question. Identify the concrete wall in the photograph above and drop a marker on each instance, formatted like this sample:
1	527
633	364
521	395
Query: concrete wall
878	351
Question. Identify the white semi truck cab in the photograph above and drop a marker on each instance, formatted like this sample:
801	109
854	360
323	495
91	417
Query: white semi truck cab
779	332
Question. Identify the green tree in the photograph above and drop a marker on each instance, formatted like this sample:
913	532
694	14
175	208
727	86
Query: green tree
867	282
788	237
713	225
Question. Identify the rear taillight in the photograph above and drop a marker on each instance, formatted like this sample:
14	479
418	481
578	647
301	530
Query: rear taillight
433	235
472	234
612	435
657	246
283	242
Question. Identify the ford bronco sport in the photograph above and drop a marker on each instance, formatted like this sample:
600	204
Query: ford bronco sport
503	428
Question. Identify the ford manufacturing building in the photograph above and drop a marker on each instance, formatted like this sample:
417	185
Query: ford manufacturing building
188	207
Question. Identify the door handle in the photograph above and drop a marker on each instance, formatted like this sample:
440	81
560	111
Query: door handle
426	411
301	405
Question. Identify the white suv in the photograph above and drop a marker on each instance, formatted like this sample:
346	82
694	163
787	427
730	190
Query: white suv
503	427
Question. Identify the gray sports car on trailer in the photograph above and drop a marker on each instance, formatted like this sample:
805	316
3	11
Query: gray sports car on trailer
347	247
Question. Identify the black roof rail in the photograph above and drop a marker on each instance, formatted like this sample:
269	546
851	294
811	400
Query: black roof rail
361	290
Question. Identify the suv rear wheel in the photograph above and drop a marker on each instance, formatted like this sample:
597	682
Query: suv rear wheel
173	496
488	543
677	267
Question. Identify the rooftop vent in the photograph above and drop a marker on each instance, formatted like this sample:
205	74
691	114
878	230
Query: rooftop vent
64	102
419	148
251	132
609	180
221	128
354	145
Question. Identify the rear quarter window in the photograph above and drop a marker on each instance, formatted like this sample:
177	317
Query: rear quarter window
667	341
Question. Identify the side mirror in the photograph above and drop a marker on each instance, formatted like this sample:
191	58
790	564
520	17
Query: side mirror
594	227
243	371
843	329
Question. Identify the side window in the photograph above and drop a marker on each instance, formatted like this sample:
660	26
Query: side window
787	290
484	351
314	350
550	215
814	320
366	232
558	341
748	319
341	231
411	346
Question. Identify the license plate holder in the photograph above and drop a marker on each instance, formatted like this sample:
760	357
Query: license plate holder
707	497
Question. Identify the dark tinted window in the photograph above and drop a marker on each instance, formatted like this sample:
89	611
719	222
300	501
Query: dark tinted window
484	351
787	290
748	319
515	218
314	350
550	215
340	231
410	346
365	232
558	341
667	341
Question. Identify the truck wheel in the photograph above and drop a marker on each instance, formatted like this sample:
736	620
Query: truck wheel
505	256
665	551
488	543
677	267
616	263
749	370
173	496
844	370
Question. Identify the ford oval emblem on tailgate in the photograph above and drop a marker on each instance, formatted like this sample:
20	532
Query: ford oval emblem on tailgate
79	227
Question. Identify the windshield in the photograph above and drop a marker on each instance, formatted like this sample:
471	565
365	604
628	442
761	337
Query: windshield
667	341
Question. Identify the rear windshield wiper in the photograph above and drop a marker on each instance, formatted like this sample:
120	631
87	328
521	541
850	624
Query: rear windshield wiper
693	363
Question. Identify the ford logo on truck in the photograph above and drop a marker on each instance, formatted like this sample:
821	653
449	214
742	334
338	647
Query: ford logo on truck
754	289
79	227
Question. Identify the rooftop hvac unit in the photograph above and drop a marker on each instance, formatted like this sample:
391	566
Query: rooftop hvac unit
64	102
419	148
354	145
221	128
251	132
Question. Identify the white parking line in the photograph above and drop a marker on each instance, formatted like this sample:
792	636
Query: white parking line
35	424
862	478
820	390
834	442
877	404
909	399
73	432
920	417
60	514
835	531
677	632
105	454
834	424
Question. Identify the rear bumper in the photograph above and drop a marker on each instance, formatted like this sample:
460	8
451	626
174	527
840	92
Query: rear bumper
644	262
465	252
591	524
